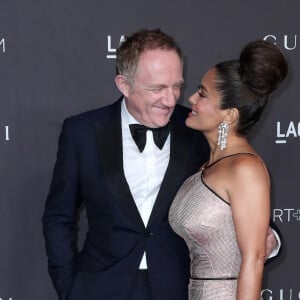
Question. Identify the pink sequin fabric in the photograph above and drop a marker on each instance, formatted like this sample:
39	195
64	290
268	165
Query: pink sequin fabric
204	221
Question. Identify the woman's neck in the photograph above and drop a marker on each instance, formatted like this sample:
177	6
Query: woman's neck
235	144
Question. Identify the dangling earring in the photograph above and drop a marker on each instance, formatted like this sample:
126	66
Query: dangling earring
223	131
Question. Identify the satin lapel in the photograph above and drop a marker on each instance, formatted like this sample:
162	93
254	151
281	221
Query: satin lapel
175	171
109	141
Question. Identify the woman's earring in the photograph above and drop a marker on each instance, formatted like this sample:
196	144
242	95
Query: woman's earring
223	131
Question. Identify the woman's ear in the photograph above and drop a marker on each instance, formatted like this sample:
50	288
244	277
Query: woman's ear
232	116
122	84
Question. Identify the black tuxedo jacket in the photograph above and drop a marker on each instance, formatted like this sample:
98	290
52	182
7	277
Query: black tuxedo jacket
89	172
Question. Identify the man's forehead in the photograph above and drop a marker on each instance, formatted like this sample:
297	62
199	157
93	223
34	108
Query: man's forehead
158	52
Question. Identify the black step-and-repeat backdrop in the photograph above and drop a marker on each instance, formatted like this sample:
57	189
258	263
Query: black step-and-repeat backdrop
57	58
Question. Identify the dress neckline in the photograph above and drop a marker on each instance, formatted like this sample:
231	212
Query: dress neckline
206	166
212	191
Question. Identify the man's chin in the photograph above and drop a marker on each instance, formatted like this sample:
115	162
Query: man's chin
156	125
160	120
163	122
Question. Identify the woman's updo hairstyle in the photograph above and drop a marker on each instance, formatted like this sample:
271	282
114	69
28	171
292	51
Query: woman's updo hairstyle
246	83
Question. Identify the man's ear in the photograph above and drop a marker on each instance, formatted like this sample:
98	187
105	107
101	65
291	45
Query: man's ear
122	84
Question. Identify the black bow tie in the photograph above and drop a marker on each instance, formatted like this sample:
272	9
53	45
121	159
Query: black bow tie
138	133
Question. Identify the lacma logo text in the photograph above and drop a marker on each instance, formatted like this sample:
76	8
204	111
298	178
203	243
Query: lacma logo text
285	132
112	49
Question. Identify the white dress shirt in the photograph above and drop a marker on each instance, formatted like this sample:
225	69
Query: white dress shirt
144	172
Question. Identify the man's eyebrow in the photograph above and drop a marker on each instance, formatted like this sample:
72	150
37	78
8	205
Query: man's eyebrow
154	85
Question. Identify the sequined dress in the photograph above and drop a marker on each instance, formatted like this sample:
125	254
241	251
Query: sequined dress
204	221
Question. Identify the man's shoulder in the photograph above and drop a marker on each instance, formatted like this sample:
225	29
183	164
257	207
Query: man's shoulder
93	115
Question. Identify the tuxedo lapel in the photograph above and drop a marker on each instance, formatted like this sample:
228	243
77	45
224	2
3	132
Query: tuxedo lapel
109	142
175	171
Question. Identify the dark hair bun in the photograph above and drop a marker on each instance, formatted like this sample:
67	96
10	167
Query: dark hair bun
262	66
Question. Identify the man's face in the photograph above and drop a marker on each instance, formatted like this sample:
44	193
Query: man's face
156	88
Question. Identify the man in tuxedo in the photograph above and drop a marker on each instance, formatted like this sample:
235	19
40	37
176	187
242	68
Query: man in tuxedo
126	186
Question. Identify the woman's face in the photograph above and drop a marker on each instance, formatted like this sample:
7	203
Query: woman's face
206	114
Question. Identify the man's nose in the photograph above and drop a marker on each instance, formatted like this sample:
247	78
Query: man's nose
170	97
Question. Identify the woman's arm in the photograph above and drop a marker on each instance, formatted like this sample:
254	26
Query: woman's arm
249	194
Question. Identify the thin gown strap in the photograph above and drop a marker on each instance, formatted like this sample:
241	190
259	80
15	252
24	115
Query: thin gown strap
239	153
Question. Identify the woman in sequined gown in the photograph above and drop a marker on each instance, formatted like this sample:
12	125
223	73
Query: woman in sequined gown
223	211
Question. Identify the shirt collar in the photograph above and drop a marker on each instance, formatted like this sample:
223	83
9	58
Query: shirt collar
127	118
